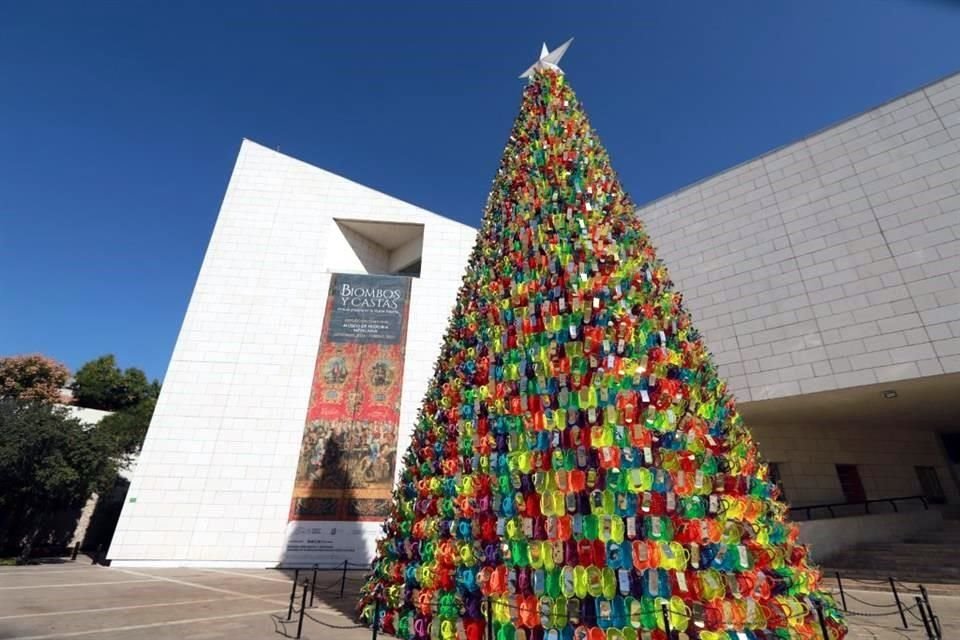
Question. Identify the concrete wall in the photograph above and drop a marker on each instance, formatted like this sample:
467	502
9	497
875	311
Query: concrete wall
404	255
831	262
214	481
85	415
827	538
355	253
885	458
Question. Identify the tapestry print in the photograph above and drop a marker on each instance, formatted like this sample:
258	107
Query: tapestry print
349	447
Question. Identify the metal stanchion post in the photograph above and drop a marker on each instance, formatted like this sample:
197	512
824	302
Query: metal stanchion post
293	593
896	598
823	623
843	596
313	585
303	607
376	617
76	552
934	620
666	621
343	578
489	618
96	555
377	595
923	618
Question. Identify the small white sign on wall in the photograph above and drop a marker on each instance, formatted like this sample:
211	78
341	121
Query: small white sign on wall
325	543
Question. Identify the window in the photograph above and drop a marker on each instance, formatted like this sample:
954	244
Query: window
930	484
376	246
850	483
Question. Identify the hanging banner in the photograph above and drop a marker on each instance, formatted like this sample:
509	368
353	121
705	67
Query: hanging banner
349	447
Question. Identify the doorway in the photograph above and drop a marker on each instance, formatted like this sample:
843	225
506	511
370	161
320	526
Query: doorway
930	485
850	483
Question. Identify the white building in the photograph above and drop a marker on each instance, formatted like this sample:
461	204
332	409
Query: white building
215	479
824	275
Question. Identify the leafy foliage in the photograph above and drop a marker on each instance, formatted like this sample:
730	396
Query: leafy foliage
32	377
100	384
48	462
128	428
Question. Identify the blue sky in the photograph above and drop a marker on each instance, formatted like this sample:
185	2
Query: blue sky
120	121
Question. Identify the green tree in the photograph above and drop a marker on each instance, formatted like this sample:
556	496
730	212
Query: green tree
48	462
100	384
32	377
128	428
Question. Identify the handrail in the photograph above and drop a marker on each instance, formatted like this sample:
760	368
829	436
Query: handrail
829	506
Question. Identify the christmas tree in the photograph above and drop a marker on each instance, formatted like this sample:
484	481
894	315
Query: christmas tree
578	466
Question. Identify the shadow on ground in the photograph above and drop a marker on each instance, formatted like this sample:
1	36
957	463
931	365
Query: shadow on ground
327	608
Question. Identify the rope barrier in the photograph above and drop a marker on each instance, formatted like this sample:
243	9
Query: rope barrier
339	566
862	581
633	619
871	604
910	611
861	614
333	585
906	588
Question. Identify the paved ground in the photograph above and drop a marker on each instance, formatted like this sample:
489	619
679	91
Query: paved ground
83	601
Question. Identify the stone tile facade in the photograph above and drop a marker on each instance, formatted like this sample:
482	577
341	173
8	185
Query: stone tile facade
832	262
214	482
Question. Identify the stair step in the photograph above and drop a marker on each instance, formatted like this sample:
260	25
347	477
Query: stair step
905	551
906	585
924	547
882	561
894	571
926	558
873	563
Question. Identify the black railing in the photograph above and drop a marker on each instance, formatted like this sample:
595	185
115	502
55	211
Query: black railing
831	506
930	621
878	613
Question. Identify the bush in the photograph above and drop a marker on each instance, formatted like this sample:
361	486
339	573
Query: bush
128	428
49	462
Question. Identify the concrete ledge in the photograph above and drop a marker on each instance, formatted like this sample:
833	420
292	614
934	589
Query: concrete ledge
828	538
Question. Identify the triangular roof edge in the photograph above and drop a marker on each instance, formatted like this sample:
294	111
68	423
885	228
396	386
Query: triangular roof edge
248	141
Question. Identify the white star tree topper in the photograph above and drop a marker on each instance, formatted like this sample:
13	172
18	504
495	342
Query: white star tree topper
548	59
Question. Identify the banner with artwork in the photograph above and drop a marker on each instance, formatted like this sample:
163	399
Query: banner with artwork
349	447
